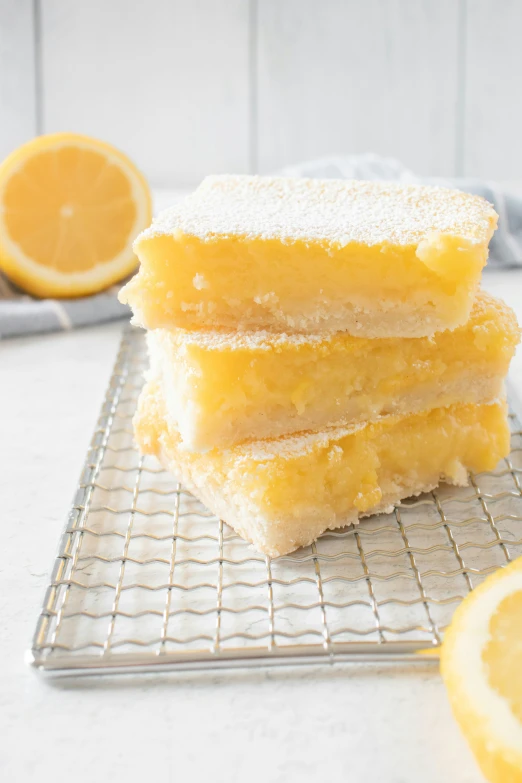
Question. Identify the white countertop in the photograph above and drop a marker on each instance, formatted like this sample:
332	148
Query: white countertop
354	722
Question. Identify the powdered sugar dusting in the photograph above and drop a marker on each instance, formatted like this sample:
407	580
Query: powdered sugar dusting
292	446
262	340
334	211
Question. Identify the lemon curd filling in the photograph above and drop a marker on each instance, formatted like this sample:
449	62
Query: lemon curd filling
224	387
281	494
375	259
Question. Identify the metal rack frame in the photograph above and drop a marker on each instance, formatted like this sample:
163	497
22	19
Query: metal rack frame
146	579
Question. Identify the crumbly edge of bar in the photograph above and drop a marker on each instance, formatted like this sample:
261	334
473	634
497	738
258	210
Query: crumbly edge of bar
466	389
485	306
265	536
379	322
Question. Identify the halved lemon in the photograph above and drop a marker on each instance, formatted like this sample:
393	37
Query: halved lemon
70	208
481	663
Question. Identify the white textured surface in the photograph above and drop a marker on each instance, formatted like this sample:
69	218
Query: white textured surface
491	131
342	76
361	723
167	81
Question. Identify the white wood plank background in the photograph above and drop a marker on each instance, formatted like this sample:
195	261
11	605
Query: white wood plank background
493	89
18	106
188	87
340	77
166	80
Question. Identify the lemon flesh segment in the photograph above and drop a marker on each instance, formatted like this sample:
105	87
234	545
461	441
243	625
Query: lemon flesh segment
481	663
506	646
70	207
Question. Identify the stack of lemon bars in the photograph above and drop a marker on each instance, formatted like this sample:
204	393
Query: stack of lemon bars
319	349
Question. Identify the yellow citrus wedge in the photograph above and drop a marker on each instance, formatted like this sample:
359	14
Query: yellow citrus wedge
70	208
481	663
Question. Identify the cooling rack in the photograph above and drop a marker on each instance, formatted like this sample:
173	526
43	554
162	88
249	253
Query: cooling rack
147	579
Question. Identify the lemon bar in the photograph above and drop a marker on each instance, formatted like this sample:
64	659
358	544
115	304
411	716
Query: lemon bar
222	388
375	259
281	494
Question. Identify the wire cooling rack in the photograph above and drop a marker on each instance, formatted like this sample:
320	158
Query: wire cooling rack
146	578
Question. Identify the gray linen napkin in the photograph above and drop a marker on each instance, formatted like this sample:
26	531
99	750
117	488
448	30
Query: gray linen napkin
22	315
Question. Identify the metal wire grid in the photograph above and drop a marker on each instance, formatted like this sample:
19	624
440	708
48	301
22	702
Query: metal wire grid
146	578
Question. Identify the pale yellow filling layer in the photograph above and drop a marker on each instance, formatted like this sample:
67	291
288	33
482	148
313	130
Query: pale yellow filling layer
370	290
283	493
222	389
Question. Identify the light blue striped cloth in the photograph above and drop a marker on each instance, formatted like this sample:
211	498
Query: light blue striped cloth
22	315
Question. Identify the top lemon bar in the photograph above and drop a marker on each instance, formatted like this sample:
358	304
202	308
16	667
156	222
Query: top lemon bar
376	259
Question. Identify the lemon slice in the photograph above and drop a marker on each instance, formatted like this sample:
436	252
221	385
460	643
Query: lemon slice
481	663
70	208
